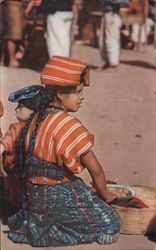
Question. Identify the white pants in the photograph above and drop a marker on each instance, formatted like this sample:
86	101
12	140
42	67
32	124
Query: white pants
58	34
109	39
145	31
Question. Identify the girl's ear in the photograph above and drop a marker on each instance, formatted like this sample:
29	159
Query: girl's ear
60	95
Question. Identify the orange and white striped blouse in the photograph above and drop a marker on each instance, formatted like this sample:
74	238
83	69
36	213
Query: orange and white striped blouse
61	139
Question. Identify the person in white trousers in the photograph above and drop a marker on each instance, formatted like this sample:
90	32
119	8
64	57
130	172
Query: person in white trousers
109	39
58	33
60	26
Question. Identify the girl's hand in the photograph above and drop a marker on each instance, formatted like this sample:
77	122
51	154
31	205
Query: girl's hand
90	161
109	196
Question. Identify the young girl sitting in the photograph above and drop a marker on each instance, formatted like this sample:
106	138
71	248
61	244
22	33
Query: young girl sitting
60	209
29	100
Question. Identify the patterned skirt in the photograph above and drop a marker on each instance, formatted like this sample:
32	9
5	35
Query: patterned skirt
62	215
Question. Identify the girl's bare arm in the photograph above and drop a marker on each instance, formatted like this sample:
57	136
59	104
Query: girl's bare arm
90	161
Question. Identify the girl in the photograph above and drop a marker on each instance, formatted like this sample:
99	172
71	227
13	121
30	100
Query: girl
60	209
29	99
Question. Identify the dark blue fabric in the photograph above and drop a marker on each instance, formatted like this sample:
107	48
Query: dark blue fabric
65	214
43	168
25	93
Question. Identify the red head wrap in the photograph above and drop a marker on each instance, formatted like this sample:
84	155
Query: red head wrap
64	71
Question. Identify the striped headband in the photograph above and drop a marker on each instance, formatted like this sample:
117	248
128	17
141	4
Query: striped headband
64	71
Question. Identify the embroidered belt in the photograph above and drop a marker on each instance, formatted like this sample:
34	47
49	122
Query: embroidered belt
45	173
40	180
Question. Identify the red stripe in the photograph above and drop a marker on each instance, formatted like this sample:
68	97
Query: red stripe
79	204
91	238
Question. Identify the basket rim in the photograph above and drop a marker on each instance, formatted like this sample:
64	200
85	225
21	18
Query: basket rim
151	189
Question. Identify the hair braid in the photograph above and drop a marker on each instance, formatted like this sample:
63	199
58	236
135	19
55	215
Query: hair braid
24	156
22	141
41	116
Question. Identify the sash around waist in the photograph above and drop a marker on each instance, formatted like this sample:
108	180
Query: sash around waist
40	180
38	169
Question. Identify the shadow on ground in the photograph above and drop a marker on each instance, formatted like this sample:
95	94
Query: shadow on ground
141	64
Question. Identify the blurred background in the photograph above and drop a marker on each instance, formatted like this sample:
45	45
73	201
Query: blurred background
24	28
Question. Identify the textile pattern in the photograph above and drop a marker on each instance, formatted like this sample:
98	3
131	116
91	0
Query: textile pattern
65	214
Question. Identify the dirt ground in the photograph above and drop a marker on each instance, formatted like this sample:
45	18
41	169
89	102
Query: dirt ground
120	109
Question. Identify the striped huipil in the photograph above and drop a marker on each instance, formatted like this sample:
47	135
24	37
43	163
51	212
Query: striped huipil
66	213
12	183
61	139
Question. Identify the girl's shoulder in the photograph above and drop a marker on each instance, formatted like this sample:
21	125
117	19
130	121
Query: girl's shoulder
61	115
63	122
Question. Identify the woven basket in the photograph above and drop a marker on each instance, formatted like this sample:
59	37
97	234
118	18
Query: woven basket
139	220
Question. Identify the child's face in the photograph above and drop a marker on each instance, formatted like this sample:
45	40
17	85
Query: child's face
72	101
23	113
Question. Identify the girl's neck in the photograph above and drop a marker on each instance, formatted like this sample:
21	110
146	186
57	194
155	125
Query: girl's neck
55	105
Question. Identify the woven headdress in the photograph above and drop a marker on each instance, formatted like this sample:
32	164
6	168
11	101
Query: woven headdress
64	71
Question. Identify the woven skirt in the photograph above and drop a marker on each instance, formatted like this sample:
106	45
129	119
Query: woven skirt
62	215
13	14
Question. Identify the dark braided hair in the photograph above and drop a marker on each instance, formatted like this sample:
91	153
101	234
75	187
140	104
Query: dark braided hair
38	104
22	141
41	104
22	155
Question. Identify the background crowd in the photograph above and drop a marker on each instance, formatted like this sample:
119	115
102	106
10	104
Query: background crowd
31	31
